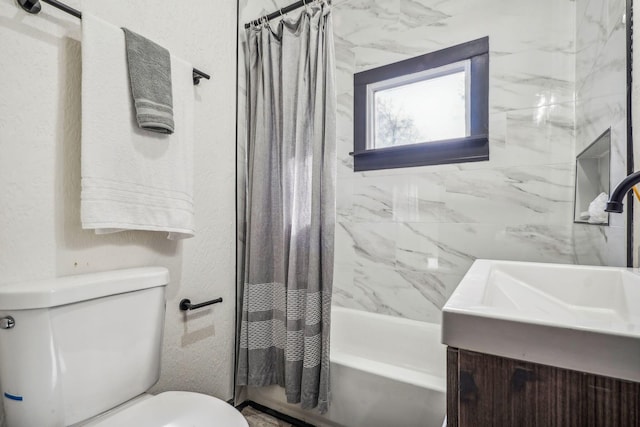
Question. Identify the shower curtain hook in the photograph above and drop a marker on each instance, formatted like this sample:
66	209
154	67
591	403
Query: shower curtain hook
281	14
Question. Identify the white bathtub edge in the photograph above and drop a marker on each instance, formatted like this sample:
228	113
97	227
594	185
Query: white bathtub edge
392	372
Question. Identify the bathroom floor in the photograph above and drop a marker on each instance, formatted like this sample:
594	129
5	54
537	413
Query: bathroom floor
256	418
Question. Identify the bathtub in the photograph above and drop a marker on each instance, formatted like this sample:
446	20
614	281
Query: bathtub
385	372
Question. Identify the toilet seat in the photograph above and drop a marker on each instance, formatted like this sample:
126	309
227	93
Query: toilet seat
175	409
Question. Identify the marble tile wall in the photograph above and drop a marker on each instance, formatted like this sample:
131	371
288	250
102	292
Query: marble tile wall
405	237
601	104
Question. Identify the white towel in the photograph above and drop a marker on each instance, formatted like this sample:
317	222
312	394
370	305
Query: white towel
132	179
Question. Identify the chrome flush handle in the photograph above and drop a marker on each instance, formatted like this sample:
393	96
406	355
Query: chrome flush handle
7	322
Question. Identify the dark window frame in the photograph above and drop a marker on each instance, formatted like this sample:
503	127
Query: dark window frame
473	148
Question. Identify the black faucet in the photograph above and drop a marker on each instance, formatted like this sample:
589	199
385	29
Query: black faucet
615	201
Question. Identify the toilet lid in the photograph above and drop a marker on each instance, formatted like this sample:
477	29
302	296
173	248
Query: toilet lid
175	409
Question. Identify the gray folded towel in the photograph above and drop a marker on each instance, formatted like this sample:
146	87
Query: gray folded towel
150	76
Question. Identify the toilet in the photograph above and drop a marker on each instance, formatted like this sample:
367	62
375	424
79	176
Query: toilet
83	351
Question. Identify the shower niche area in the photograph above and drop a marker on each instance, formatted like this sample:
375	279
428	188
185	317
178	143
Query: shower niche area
593	181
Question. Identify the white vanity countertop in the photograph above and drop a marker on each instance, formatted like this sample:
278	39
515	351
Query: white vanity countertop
583	318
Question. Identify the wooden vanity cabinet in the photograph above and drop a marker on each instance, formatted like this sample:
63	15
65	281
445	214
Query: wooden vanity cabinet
485	390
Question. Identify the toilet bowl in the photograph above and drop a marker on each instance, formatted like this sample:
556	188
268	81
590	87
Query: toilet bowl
83	351
171	408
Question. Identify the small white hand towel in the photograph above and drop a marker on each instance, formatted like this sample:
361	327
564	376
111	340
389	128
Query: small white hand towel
132	179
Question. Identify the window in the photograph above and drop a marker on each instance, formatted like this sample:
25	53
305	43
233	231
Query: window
428	110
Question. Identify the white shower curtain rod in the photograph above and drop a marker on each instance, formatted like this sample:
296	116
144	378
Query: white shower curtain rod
280	12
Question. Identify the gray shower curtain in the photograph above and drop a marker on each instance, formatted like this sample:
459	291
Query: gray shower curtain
290	208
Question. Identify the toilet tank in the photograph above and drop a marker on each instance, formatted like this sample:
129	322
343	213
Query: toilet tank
79	345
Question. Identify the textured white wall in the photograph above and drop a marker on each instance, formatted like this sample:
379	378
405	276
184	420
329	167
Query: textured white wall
40	233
